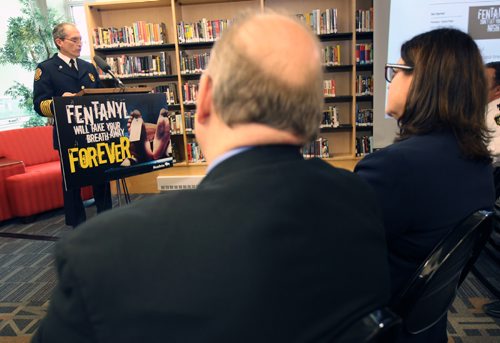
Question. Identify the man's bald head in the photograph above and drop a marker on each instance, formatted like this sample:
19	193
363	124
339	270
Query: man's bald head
266	69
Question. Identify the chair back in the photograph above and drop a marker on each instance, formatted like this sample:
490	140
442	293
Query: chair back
432	289
375	327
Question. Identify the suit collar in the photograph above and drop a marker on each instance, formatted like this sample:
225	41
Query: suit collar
254	157
63	67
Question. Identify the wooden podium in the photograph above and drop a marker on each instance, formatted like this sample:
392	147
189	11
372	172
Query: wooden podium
114	91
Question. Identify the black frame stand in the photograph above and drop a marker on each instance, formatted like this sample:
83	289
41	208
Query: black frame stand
125	194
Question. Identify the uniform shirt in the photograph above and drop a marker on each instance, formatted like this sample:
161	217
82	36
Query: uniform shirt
67	60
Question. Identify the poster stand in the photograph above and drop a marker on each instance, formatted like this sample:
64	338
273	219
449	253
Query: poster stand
121	183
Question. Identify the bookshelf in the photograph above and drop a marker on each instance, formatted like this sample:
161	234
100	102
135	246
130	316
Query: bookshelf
188	53
364	77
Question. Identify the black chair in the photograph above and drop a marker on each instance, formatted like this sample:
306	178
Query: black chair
372	328
433	287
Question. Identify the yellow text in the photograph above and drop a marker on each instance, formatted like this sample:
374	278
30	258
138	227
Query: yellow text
102	153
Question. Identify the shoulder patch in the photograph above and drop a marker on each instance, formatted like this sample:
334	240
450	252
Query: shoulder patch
38	74
91	76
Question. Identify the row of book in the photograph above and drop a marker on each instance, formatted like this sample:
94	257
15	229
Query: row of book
190	92
189	121
193	64
194	153
330	118
364	53
364	145
330	55
138	34
170	90
201	31
364	85
364	20
316	148
320	22
329	88
175	121
364	117
136	66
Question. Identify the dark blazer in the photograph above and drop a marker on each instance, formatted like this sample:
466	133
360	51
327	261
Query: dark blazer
426	187
54	77
268	248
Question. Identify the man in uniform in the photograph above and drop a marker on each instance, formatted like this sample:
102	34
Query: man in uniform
64	75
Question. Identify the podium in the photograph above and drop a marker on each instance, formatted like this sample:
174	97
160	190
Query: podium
108	134
114	91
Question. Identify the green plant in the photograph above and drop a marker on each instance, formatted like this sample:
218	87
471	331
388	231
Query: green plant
29	42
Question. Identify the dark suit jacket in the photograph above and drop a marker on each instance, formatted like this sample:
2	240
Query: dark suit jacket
54	77
269	248
426	187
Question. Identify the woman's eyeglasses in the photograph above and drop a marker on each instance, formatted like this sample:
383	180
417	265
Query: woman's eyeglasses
392	69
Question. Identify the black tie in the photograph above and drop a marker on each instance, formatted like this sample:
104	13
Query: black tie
72	65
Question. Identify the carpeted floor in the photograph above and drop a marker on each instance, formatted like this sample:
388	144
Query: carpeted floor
27	278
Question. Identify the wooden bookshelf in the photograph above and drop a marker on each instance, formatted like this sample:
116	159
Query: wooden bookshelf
122	13
364	102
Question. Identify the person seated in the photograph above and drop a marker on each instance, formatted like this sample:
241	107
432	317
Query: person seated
438	171
269	248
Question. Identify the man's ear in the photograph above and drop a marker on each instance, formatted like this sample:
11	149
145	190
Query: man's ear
204	101
496	91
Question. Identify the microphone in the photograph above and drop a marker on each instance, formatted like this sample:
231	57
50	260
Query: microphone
107	69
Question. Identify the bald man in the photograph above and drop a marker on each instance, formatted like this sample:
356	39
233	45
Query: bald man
269	248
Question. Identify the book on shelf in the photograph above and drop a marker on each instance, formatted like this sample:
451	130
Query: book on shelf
201	31
364	20
194	153
170	90
330	55
364	53
364	85
329	88
330	118
125	66
317	148
320	22
193	64
189	121
190	92
364	145
175	121
138	34
364	117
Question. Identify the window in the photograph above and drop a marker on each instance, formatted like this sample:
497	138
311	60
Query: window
11	114
76	12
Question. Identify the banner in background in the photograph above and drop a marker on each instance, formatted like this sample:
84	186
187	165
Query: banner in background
105	137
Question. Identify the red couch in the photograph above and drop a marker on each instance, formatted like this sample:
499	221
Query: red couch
30	173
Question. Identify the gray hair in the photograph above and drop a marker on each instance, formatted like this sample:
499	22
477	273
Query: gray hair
244	93
59	32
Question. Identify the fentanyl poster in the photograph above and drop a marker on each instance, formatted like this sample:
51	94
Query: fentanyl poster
106	137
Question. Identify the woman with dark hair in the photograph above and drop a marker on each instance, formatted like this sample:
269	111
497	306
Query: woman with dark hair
438	171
